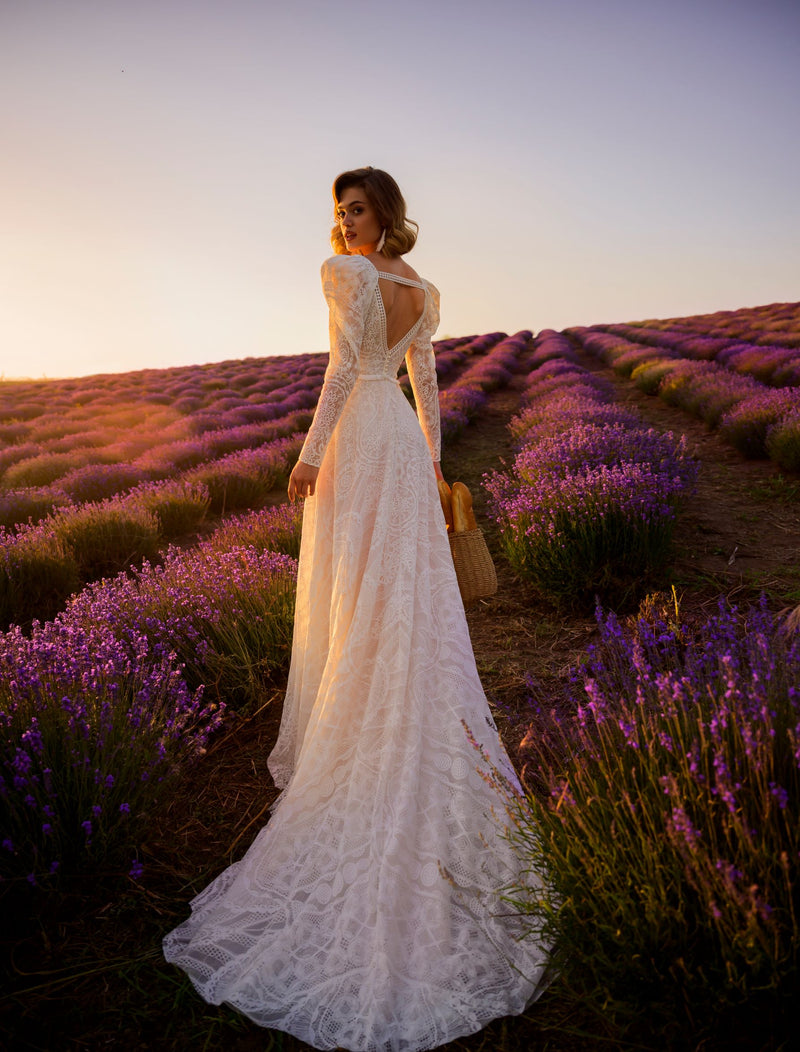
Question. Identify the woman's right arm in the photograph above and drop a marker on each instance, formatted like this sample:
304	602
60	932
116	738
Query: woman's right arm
345	282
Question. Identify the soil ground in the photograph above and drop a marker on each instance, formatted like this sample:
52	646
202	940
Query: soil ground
83	969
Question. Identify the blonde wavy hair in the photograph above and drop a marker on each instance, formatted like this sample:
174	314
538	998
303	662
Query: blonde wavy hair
384	195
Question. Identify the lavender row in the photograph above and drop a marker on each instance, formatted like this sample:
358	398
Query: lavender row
188	399
774	364
462	401
772	325
66	456
77	542
96	482
42	564
758	420
102	706
59	415
79	475
152	423
589	503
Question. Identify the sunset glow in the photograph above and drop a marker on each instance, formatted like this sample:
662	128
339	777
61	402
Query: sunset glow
167	166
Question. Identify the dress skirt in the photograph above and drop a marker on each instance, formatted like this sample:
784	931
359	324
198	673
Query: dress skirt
368	913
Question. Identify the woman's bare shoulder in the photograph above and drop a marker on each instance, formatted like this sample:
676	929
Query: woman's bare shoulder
396	265
409	272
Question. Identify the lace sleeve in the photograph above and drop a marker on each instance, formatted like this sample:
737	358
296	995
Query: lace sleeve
347	286
422	373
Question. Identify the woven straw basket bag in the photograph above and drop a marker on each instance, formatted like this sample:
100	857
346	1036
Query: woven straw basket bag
474	567
471	558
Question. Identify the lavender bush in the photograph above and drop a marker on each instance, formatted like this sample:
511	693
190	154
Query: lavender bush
179	505
704	389
227	615
41	565
666	813
605	530
588	505
96	482
38	570
457	406
144	456
245	479
746	424
92	725
463	400
648	375
15	454
102	703
783	442
761	343
727	382
30	505
571	404
583	447
44	468
552	345
275	529
104	538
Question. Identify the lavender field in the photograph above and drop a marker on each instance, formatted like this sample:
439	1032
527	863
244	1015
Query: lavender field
651	700
739	371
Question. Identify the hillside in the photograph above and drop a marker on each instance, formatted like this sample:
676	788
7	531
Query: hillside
88	969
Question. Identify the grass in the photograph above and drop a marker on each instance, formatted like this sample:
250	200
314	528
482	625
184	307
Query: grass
778	488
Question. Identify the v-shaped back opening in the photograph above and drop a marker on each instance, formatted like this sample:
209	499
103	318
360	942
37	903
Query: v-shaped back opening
400	280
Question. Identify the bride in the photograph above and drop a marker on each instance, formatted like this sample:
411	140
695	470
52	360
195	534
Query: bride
367	914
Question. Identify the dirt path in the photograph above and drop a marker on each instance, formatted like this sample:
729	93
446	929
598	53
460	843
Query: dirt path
741	530
513	633
739	535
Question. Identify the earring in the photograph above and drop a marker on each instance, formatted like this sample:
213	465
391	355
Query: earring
381	242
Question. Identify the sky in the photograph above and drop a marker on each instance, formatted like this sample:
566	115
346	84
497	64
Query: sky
165	182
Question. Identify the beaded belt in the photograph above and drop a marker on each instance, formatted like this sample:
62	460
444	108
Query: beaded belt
376	376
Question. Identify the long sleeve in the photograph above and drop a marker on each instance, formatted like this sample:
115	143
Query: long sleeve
347	284
422	373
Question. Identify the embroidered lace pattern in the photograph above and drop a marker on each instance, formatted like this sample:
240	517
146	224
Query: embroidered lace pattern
357	330
367	914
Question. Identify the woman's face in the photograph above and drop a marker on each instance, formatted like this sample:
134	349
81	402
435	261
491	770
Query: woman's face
358	221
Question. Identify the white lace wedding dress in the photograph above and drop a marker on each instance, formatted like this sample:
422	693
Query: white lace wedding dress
366	914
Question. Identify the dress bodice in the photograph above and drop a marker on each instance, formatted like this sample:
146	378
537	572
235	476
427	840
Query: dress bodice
360	350
375	350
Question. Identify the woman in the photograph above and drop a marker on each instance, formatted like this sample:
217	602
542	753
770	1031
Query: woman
366	915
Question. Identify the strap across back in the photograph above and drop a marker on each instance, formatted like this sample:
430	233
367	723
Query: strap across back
400	280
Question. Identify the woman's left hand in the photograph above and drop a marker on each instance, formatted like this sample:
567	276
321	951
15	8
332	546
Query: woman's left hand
302	481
